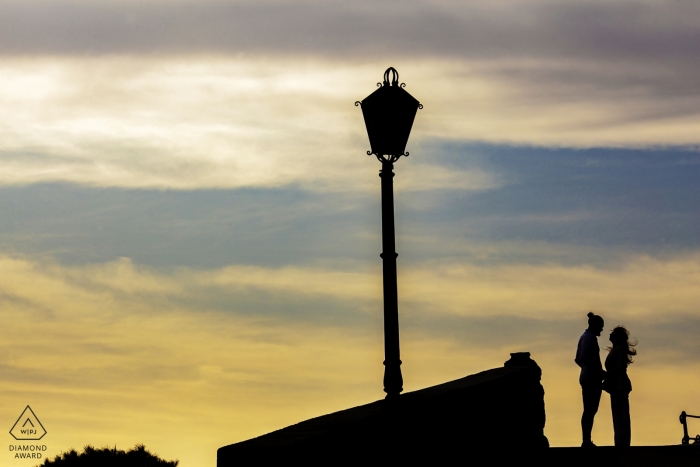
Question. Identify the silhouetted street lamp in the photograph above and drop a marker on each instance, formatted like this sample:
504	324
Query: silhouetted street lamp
389	113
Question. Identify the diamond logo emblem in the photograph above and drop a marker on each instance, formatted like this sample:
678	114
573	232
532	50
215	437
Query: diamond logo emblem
28	426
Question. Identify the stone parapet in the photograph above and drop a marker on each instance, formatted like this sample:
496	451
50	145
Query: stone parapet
502	407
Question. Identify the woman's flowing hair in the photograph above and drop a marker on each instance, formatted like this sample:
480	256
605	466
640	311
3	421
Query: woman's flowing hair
621	336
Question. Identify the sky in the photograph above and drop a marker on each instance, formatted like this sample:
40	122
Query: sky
190	225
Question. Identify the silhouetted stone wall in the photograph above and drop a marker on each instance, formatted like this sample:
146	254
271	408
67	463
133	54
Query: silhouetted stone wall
501	409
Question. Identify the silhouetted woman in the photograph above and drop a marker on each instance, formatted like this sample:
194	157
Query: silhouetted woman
618	384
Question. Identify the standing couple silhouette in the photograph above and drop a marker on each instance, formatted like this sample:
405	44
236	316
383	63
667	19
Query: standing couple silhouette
613	379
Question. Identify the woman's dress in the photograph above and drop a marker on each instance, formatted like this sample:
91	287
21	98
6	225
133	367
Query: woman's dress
618	384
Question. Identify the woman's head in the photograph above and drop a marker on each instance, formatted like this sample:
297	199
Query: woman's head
620	336
595	323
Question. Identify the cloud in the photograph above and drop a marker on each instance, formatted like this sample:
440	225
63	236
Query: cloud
118	352
642	288
216	145
425	177
562	52
638	289
222	122
191	95
588	29
480	203
125	122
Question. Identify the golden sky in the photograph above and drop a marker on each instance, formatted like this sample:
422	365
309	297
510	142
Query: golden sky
190	227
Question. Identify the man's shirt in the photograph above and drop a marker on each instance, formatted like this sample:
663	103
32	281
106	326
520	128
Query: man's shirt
588	358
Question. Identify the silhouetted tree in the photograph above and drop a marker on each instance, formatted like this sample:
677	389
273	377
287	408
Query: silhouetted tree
108	457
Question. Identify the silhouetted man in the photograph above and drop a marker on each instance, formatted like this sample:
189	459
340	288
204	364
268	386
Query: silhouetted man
592	375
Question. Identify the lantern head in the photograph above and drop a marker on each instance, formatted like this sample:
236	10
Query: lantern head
389	113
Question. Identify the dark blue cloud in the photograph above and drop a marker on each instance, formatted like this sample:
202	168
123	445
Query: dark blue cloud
611	201
203	228
635	200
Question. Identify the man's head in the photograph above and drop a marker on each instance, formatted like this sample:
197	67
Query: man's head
595	323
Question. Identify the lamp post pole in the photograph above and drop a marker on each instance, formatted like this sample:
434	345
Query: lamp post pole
389	113
393	381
